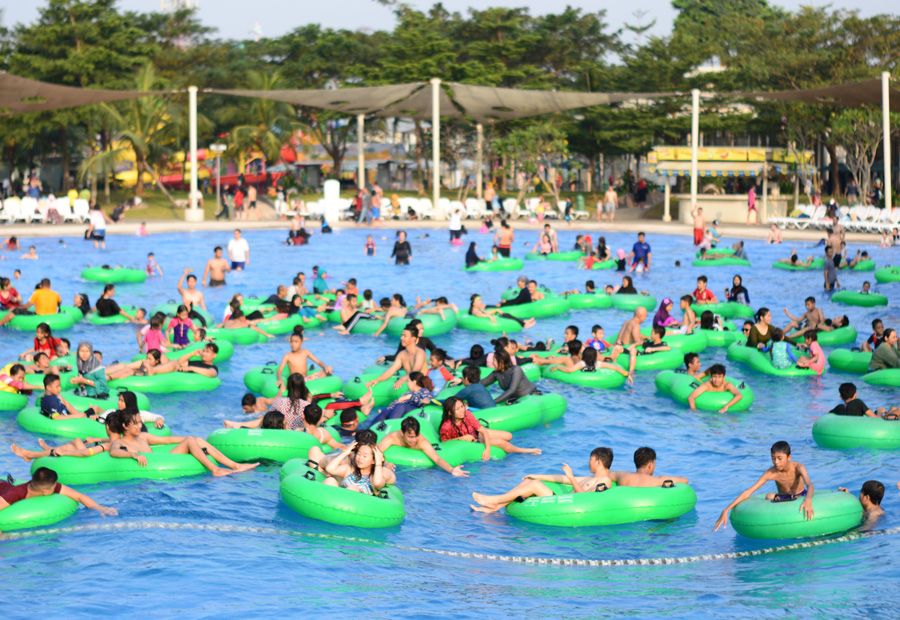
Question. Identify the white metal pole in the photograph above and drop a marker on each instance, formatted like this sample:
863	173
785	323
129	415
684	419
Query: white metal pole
667	214
360	155
479	163
695	141
193	214
436	140
763	215
218	181
886	114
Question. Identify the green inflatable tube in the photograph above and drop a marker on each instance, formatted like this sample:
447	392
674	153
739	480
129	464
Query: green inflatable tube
161	465
615	506
83	402
534	256
549	306
513	292
36	381
850	361
226	351
764	519
836	337
568	257
854	298
455	452
727	309
629	302
602	378
432	324
114	276
383	393
528	412
680	385
167	383
305	493
603	264
581	301
889	377
73	312
697	342
817	264
740	352
12	401
661	360
33	421
29	322
37	511
721	262
262	380
116	319
717	338
845	432
888	274
240	335
484	324
501	264
761	362
170	308
248	445
863	265
715	250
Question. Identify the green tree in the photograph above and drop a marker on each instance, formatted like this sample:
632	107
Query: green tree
536	150
859	131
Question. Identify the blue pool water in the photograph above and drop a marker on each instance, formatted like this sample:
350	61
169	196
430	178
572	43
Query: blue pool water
221	572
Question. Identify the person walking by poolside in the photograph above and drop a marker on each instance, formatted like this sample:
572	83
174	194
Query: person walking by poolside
365	209
751	205
699	224
610	204
251	201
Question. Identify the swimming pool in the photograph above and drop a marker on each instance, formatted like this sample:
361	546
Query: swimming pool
246	564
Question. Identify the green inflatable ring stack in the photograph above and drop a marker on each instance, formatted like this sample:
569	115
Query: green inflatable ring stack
845	432
581	301
889	377
432	324
263	380
817	264
240	335
855	298
762	519
614	506
29	322
116	319
305	493
680	385
629	302
83	402
170	308
114	276
226	351
161	465
850	361
568	257
33	421
484	324
602	378
167	383
661	360
248	445
501	264
721	262
888	274
836	337
726	309
37	511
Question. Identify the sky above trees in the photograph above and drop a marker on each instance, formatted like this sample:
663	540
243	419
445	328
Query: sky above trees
237	19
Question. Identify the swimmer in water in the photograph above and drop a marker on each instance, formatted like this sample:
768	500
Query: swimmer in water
795	261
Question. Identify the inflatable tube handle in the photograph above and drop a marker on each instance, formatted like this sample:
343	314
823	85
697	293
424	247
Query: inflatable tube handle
267	370
310	476
171	301
383	494
271	363
598	489
668	484
436	446
484	423
742	385
381	427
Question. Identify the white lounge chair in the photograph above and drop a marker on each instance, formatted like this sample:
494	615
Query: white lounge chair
510	206
81	209
11	208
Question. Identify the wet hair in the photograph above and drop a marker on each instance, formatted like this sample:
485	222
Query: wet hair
368	437
589	285
574	347
44	327
760	314
347	415
50	379
273	420
847	390
707	320
501	358
312	414
236	313
367	294
777	334
384	302
449	404
439	354
192	277
887	333
39	356
471	374
812	335
415	323
218	248
155	323
644	456
702	279
573	329
809	299
476	351
588	356
659	330
604	455
595	328
412	331
688	299
874	490
408	424
108	288
876	322
114	422
500	343
421	380
717	369
42	478
296	388
248	400
155	354
781	447
399	298
689	359
15	369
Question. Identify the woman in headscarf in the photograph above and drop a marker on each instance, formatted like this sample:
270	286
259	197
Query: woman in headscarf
627	287
472	257
91	377
662	317
738	293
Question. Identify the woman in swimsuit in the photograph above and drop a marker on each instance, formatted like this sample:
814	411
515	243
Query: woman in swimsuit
544	246
439	305
367	464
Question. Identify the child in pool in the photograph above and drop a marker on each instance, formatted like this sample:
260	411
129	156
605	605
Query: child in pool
791	481
870	497
179	327
716	383
816	359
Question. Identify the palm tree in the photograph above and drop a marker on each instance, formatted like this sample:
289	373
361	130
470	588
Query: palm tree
262	125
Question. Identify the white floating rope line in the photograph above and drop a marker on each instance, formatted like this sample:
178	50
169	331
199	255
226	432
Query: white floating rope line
244	529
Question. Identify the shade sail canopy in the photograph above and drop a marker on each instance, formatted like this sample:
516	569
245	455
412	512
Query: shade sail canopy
483	104
709	168
848	95
19	95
